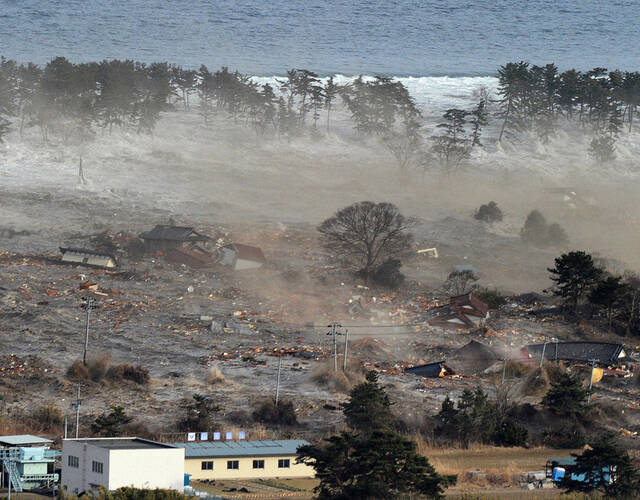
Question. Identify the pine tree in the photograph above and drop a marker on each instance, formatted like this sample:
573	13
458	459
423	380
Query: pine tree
368	408
567	396
574	274
330	93
111	424
603	467
479	119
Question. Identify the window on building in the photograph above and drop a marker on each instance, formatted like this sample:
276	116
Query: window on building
73	461
96	467
284	463
233	464
258	464
207	465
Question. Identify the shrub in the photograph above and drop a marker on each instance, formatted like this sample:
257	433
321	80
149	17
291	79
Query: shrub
281	414
388	274
336	381
460	282
126	371
215	376
489	213
98	368
493	298
565	438
537	232
48	417
508	433
77	371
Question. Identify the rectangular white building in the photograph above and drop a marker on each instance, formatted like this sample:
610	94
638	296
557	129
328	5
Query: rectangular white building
118	462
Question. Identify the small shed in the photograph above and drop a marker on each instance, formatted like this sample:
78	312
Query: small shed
431	370
162	237
23	440
86	257
239	256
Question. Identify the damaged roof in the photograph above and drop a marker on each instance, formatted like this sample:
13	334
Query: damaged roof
605	353
436	369
86	251
476	351
173	233
469	304
247	252
189	257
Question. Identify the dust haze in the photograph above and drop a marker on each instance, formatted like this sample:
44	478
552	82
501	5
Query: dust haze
226	174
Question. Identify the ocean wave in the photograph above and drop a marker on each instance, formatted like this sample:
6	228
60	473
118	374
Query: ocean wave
431	93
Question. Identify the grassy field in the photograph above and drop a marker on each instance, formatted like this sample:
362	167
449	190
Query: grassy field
490	459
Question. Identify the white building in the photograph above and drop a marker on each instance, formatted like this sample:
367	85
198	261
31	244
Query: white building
118	462
89	258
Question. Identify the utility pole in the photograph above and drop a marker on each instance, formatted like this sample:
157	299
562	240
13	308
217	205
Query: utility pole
544	348
593	365
278	380
88	305
333	332
76	406
65	427
346	345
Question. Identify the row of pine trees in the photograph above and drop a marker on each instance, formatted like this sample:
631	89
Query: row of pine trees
75	101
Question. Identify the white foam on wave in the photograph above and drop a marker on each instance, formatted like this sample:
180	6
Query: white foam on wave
433	94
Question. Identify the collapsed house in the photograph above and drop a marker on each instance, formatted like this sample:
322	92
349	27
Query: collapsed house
195	257
473	357
601	353
463	311
90	258
431	370
238	256
163	238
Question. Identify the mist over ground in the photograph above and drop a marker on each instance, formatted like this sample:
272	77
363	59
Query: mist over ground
225	173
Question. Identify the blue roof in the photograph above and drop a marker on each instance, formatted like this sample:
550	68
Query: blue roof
241	448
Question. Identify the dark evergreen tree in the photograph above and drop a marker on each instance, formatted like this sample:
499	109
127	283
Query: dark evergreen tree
369	408
608	294
199	414
606	468
574	275
111	424
567	396
330	94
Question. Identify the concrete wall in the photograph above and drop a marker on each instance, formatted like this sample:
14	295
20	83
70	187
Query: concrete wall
82	478
247	264
245	469
147	468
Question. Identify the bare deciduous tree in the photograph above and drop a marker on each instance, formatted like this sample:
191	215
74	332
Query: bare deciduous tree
365	234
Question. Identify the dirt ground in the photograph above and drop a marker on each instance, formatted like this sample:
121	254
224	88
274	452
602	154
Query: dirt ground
160	315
